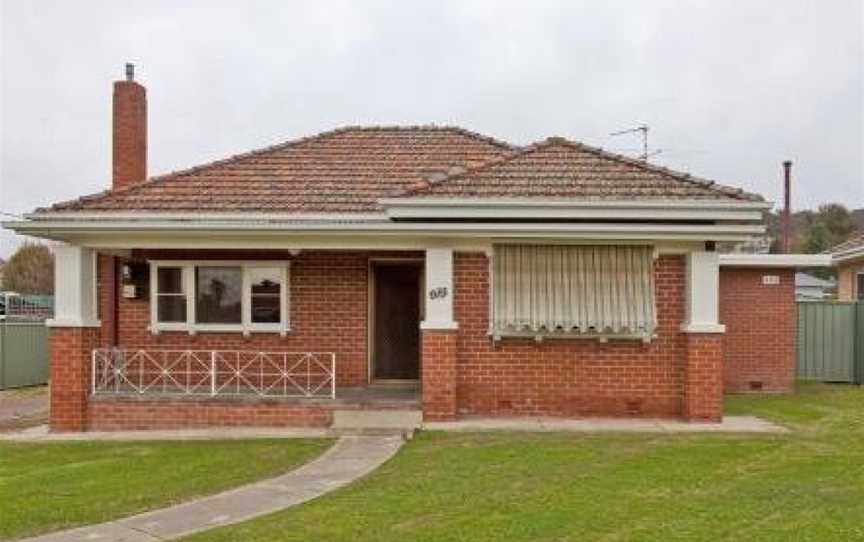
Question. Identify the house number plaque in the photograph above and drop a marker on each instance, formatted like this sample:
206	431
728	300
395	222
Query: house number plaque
438	293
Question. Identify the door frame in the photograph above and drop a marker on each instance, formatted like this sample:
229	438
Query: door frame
370	313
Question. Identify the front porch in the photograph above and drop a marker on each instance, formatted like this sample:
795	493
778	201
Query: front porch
303	378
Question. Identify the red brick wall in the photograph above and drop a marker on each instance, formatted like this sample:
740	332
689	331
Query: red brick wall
759	344
439	374
703	377
567	377
70	376
134	414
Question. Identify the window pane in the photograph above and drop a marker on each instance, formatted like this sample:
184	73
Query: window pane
170	280
171	308
265	280
265	309
861	286
218	295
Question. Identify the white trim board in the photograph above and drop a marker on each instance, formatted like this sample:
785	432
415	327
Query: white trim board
775	260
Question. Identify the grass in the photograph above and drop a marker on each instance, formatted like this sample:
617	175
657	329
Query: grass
805	485
50	486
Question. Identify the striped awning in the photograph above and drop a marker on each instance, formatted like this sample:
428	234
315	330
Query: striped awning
573	290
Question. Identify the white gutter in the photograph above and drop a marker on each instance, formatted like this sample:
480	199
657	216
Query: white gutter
259	226
557	208
775	260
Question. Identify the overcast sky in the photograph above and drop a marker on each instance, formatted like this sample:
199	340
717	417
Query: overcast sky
729	89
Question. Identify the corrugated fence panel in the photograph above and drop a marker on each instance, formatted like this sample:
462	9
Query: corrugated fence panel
859	343
827	340
23	354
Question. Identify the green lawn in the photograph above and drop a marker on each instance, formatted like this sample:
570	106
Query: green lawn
49	486
806	485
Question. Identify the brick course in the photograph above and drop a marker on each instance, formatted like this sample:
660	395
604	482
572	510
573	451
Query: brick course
759	344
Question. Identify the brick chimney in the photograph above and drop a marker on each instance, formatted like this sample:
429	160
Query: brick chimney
129	158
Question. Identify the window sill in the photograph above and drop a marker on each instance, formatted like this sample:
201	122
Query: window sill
246	330
601	337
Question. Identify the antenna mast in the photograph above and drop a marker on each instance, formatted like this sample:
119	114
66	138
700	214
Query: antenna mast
642	129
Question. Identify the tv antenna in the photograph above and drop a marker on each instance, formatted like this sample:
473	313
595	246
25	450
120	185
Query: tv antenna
642	129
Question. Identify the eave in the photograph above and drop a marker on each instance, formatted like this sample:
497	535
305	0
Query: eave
775	260
557	208
140	230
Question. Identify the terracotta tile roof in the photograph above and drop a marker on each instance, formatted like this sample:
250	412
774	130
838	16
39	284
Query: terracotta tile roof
349	169
853	243
343	170
560	168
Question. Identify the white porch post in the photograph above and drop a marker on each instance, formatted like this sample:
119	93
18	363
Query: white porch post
703	294
74	287
439	290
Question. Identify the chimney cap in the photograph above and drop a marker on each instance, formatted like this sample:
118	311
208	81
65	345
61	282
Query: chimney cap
130	71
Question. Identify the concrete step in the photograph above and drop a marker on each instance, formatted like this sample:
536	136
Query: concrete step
392	420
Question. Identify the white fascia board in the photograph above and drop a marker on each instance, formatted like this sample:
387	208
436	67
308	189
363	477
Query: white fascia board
433	228
846	255
516	208
775	260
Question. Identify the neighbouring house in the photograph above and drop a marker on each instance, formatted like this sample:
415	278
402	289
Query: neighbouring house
811	288
420	267
848	258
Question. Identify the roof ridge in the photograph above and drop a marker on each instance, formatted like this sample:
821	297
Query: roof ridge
131	189
563	141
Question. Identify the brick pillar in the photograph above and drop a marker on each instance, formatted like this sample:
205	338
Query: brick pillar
71	349
703	377
439	374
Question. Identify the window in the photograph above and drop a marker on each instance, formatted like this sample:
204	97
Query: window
170	298
220	296
265	295
549	290
860	286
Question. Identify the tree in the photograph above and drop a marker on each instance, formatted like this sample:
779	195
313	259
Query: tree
817	239
30	270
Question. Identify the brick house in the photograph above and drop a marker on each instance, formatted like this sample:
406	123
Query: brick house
848	257
422	268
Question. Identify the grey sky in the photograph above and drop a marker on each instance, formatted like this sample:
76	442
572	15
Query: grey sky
730	89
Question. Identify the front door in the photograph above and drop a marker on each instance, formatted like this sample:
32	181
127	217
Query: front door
396	335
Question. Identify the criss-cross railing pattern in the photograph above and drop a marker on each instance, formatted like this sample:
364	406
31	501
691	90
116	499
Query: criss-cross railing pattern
214	373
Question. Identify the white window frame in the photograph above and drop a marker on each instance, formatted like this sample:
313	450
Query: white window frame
246	326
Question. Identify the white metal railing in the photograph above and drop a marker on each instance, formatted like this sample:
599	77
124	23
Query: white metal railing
214	373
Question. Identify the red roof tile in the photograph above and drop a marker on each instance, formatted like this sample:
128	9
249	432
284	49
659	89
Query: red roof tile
558	168
349	169
344	170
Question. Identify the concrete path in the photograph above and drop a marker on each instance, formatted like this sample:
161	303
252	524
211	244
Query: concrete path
23	407
349	459
41	433
730	424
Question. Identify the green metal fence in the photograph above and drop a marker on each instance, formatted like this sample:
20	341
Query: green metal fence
830	341
23	354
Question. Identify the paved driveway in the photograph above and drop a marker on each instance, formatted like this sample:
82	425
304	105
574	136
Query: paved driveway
23	407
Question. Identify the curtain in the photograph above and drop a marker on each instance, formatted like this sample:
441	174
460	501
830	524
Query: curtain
549	289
